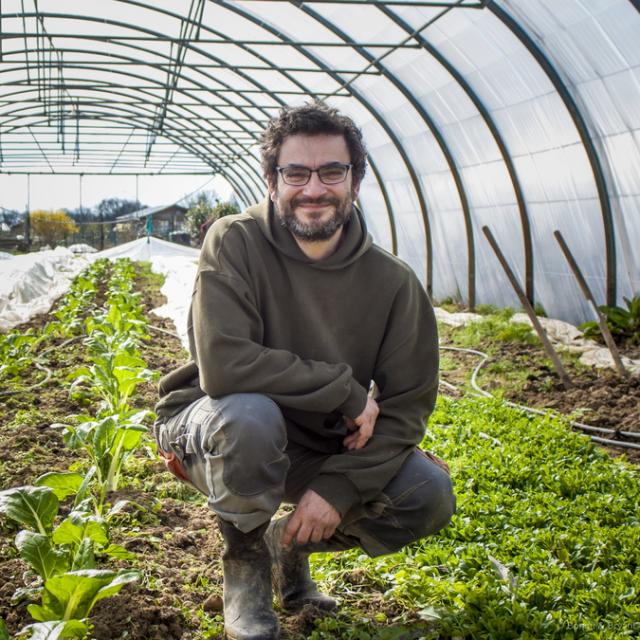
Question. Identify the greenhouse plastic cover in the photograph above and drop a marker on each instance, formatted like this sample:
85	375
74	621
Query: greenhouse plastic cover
521	116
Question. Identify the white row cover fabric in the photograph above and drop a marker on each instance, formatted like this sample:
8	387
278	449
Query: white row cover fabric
174	261
30	283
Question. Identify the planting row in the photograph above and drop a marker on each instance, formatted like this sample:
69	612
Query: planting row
64	551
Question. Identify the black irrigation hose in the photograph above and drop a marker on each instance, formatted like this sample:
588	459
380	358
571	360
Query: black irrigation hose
573	423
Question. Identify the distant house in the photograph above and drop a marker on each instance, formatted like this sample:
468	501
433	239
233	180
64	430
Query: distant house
165	221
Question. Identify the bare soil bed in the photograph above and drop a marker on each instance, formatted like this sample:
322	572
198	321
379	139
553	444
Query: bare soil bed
522	373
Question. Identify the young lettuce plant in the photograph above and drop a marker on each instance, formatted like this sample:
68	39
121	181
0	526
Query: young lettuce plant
113	377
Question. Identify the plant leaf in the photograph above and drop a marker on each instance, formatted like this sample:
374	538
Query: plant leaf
37	551
118	551
63	483
73	594
78	526
56	629
34	507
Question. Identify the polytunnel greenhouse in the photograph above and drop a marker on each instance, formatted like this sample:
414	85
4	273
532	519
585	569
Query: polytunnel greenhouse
433	396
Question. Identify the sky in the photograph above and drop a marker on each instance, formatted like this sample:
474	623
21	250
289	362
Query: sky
56	192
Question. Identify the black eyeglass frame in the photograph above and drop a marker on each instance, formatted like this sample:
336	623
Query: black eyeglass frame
343	165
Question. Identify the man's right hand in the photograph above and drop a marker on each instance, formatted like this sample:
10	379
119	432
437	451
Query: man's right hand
362	426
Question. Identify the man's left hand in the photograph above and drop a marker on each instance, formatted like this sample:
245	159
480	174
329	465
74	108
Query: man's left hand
313	520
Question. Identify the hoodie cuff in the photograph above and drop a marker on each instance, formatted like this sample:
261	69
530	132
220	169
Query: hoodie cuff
337	490
355	403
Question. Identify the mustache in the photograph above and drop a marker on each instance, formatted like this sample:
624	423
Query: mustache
324	201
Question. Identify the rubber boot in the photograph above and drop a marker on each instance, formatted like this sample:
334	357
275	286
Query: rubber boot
248	600
290	568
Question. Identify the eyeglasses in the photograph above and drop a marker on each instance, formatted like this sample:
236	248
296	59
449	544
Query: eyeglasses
297	175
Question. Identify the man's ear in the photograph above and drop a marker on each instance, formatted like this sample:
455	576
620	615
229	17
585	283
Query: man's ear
272	185
355	189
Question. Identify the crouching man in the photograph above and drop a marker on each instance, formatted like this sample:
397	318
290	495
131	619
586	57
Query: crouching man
295	313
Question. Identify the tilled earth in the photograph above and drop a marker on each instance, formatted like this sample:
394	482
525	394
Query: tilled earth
597	397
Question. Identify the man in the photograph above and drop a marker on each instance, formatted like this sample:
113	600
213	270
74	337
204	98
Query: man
295	314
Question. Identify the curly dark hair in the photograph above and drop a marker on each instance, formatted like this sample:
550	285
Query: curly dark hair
313	118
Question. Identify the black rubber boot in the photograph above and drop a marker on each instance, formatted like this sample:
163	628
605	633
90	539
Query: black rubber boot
248	601
290	568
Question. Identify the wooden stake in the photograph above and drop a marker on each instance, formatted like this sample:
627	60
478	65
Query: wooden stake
551	352
602	322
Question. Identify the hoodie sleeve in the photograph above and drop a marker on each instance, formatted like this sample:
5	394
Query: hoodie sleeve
406	375
227	335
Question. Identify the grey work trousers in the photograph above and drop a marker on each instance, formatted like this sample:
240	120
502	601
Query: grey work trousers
234	450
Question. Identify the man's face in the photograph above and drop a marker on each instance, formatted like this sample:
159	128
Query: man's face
314	211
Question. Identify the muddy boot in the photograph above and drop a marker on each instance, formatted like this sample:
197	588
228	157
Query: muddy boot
248	605
290	568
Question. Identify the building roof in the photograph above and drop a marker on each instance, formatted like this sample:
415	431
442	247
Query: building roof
141	214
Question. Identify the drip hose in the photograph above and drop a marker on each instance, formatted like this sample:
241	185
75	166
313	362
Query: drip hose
576	425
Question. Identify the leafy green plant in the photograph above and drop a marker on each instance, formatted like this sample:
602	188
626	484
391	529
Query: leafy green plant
108	442
624	324
113	377
496	326
72	595
545	542
18	352
63	557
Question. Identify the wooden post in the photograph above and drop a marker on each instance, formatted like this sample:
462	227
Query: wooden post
551	352
602	322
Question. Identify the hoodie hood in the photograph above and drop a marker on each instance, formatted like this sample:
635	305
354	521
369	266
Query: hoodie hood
356	240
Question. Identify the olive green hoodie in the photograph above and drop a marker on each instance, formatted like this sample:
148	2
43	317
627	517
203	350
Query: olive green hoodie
313	336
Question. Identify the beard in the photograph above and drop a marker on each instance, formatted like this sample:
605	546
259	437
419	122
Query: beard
315	230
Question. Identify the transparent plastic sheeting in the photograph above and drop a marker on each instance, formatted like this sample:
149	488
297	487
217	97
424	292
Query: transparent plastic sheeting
522	115
31	283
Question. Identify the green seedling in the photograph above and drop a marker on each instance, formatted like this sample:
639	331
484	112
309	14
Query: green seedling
108	441
624	324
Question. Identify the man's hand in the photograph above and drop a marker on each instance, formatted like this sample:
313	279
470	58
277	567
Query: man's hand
313	520
362	426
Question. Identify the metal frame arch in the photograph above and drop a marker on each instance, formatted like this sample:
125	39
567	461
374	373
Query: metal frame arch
197	151
497	136
587	142
112	88
262	89
444	148
387	204
222	36
117	119
369	107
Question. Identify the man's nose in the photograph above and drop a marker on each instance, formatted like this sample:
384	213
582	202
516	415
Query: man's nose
315	186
